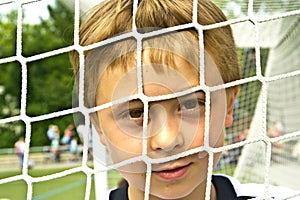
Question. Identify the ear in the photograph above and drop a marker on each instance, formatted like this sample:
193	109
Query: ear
232	94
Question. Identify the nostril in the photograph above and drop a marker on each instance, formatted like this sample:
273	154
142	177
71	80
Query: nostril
159	149
171	146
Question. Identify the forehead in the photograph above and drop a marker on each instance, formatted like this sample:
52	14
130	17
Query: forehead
157	78
170	61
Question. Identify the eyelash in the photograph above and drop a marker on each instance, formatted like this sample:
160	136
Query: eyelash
127	114
197	103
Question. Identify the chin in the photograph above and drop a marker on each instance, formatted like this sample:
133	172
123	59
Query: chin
172	191
177	192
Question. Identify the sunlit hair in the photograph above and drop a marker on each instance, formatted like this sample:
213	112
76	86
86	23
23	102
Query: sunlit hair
114	17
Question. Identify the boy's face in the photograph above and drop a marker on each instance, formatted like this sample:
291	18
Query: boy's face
174	125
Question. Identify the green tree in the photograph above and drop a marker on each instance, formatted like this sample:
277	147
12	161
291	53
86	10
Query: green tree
9	81
50	80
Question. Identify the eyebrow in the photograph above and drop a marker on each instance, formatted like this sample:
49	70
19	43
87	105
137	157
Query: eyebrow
130	102
198	94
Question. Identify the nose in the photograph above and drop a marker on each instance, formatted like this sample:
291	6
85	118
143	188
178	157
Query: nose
165	133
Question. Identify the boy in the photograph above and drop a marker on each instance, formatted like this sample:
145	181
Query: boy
157	101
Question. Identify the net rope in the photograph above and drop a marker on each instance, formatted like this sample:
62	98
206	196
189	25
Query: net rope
258	133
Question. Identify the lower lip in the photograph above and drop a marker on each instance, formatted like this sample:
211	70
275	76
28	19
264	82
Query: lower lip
173	174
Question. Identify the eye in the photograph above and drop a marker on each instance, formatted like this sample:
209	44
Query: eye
189	104
192	107
135	115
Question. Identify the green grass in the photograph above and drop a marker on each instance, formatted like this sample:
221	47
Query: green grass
114	178
228	170
64	188
13	191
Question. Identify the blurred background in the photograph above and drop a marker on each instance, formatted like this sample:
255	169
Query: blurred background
274	112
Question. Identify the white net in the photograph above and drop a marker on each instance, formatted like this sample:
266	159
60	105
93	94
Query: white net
267	34
281	110
271	47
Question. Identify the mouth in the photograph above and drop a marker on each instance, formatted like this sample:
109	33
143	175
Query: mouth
173	173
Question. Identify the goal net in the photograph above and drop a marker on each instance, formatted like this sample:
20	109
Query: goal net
262	146
276	112
267	111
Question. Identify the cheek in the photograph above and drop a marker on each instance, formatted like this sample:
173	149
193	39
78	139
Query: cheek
218	141
216	137
120	144
196	133
119	141
122	147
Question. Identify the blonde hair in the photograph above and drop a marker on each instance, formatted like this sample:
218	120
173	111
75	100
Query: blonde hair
114	17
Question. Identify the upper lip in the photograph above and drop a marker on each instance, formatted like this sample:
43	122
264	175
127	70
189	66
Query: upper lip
170	167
